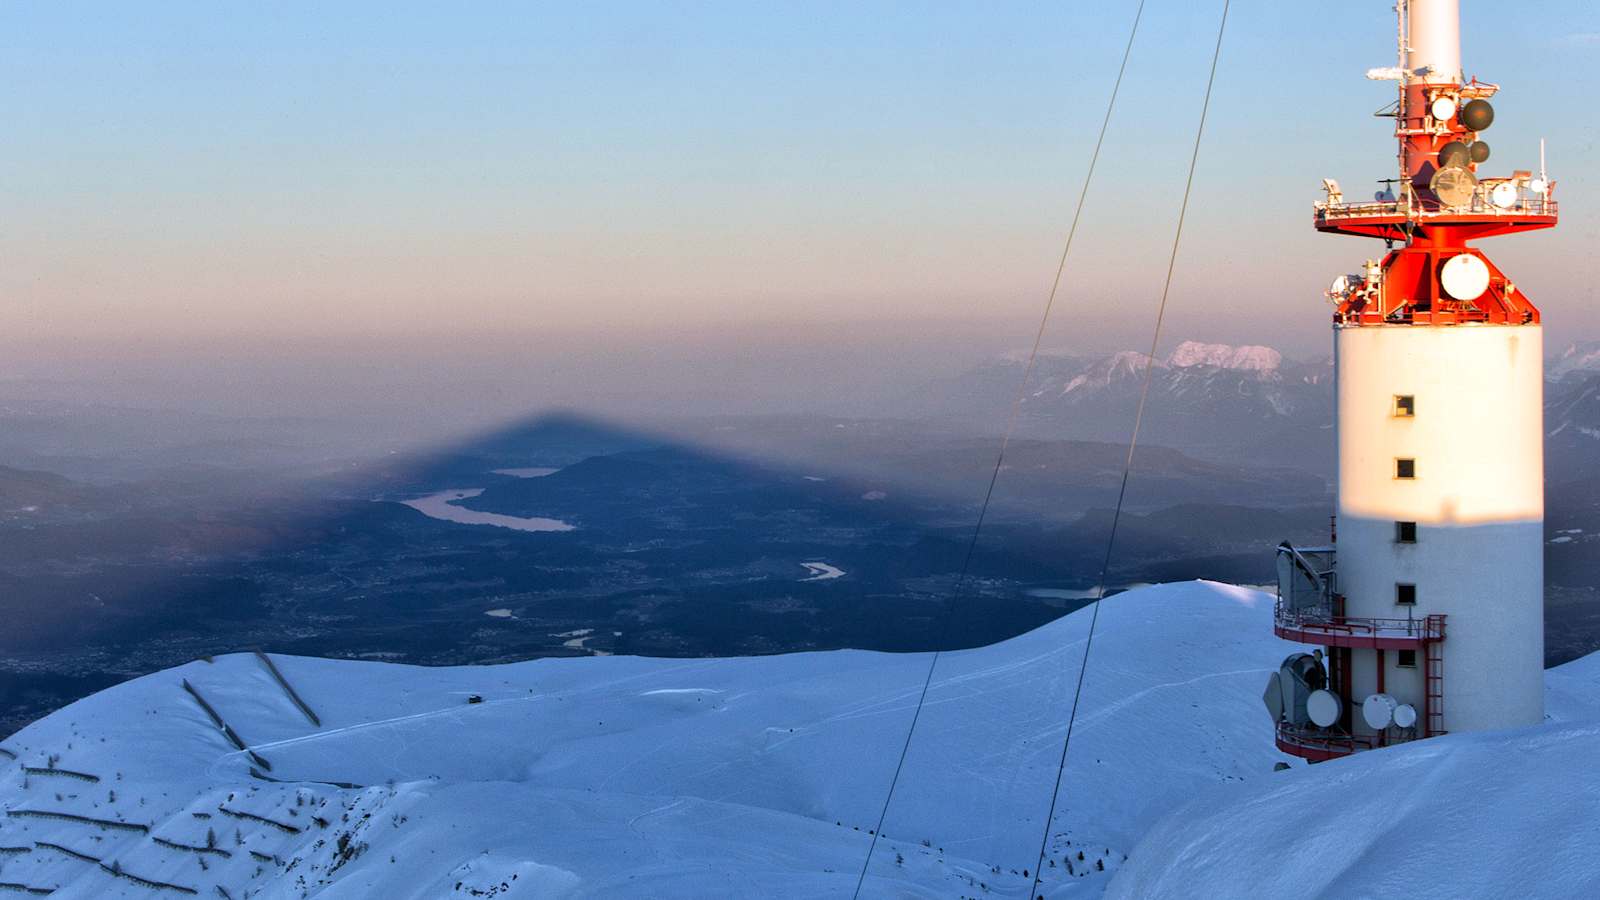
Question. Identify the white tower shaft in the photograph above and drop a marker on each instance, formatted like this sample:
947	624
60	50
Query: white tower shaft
1472	433
1433	35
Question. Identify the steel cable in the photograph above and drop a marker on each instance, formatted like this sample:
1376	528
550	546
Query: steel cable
1005	442
1133	441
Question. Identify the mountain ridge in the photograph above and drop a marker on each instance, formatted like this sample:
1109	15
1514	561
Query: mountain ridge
628	776
1218	401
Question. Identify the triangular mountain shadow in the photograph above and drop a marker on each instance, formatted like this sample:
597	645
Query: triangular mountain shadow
675	550
608	539
554	440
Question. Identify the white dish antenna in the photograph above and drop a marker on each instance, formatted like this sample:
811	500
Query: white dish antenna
1405	715
1504	195
1345	285
1464	277
1538	186
1378	710
1454	185
1443	108
1324	708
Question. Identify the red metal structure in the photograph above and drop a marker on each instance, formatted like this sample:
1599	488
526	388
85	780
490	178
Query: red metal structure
1441	203
1340	634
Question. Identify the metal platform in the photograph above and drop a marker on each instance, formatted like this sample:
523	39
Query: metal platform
1392	220
1319	625
1320	745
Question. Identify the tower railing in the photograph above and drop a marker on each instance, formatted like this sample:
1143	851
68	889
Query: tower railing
1319	744
1536	205
1326	624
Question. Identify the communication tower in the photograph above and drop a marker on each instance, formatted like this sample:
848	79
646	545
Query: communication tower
1429	605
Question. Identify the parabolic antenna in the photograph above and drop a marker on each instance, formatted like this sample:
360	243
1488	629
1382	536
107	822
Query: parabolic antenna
1454	185
1477	115
1504	195
1274	697
1324	708
1378	710
1443	108
1405	715
1464	277
1455	154
1538	185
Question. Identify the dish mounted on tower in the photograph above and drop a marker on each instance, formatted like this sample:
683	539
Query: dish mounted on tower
1438	372
1440	199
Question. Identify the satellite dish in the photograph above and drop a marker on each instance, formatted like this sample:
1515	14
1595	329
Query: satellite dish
1477	115
1464	277
1455	153
1340	286
1504	195
1324	708
1454	185
1538	185
1378	710
1443	108
1405	715
1274	697
1478	151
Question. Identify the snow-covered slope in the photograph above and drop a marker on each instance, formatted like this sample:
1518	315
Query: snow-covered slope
1512	814
618	776
758	777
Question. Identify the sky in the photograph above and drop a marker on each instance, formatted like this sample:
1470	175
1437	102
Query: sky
693	183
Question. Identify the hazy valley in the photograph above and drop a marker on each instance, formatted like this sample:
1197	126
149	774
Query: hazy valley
721	535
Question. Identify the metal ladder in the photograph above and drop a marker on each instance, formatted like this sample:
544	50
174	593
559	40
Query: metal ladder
1433	677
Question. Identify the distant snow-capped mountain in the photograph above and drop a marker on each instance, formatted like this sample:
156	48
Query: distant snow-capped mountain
1572	400
1250	358
1191	367
1572	446
1579	358
1221	401
1217	401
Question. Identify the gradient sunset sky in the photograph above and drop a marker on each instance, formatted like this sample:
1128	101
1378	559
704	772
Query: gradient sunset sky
241	172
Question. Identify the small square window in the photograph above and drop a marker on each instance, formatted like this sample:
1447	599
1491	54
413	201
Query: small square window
1405	594
1406	659
1405	406
1405	468
1405	532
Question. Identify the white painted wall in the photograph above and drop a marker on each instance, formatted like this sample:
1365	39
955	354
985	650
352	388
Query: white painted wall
1478	499
1436	40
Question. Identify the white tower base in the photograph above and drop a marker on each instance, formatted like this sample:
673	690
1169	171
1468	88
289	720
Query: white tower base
1475	439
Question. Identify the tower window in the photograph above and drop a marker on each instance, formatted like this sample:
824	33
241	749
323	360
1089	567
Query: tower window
1405	594
1405	532
1405	468
1406	659
1405	406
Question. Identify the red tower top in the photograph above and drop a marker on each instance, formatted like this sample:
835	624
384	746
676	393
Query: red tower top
1439	202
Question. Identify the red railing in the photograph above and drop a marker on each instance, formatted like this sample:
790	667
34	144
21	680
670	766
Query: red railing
1320	624
1318	745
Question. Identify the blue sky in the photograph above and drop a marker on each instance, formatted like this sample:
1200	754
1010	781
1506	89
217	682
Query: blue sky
246	170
